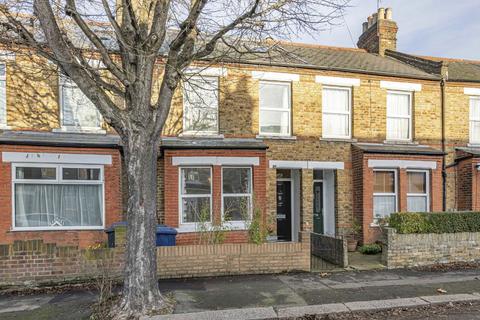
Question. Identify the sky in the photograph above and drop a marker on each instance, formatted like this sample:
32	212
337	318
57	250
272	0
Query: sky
443	28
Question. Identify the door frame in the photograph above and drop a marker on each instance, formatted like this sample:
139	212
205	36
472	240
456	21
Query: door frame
292	202
326	200
323	198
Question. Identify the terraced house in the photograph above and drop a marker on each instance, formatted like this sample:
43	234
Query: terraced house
314	139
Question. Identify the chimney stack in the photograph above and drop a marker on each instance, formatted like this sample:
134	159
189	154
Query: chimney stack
379	32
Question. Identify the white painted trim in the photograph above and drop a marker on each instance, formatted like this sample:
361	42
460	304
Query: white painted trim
275	76
7	55
285	164
402	86
338	81
33	157
402	164
215	161
472	91
208	71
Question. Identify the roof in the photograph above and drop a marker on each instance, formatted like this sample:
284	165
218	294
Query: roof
464	71
398	149
58	139
212	143
473	151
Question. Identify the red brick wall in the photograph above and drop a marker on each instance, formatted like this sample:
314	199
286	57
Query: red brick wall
363	185
171	176
113	200
465	184
357	172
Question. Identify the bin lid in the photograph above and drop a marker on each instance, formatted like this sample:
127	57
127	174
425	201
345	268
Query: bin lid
162	229
116	224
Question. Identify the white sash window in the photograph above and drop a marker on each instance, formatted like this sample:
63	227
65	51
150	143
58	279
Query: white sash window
275	108
418	191
237	193
336	112
3	95
475	119
385	193
195	195
200	105
399	115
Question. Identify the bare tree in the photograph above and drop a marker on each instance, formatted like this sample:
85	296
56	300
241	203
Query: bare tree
144	47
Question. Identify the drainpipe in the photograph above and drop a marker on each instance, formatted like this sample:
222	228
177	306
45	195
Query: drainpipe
444	171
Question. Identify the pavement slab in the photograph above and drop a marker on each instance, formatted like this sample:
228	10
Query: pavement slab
237	314
295	312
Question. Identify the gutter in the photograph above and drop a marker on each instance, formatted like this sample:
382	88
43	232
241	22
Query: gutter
444	171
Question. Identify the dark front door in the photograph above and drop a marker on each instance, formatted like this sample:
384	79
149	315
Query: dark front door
284	210
318	207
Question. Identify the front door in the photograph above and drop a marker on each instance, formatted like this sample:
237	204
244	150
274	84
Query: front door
284	210
318	207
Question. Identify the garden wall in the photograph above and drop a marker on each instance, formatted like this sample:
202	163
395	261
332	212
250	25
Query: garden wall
35	262
411	250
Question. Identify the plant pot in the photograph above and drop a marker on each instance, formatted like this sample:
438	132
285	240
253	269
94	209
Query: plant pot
272	238
352	245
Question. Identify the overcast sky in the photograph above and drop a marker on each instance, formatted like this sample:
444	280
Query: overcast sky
445	28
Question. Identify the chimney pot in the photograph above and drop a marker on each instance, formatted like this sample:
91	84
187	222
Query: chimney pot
388	14
370	21
365	26
381	13
375	18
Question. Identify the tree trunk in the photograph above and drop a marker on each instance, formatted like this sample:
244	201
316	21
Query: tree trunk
141	294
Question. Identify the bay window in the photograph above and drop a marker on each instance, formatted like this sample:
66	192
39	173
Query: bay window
200	105
475	119
275	108
50	196
237	193
336	112
77	111
195	195
3	95
418	191
399	115
385	193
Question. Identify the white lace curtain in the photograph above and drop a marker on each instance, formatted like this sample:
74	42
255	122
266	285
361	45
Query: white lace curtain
398	116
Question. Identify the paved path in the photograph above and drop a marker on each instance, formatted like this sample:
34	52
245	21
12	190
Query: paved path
266	291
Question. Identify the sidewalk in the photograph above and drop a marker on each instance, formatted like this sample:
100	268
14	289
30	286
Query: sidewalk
269	293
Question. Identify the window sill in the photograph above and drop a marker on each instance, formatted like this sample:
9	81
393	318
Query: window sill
5	127
43	229
267	137
191	227
228	226
350	140
407	142
473	145
79	130
201	135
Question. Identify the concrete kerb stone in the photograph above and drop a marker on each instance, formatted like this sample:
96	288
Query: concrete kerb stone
238	314
385	304
294	312
451	298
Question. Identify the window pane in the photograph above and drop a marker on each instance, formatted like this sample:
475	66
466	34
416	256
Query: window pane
196	181
47	205
398	104
236	180
81	174
417	182
317	174
77	109
384	182
195	209
475	131
417	204
335	100
3	70
398	128
36	173
283	173
236	208
383	206
335	125
274	122
3	102
274	95
474	108
201	104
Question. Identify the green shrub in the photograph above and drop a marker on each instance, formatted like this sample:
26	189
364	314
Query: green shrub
435	222
370	248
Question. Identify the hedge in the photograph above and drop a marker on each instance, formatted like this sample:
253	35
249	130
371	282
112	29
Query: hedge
435	222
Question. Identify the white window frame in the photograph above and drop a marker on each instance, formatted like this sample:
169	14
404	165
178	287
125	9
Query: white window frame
249	195
427	188
64	81
377	194
289	110
200	133
470	120
192	225
410	117
349	113
3	122
59	180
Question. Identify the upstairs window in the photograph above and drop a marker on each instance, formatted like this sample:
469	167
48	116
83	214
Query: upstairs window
399	115
195	194
77	111
418	191
3	95
58	196
475	119
237	193
200	105
336	110
384	193
275	108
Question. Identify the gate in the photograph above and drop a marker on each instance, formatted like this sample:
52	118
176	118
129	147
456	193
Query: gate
330	249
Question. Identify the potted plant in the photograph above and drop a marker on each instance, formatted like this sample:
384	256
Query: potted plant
270	228
352	241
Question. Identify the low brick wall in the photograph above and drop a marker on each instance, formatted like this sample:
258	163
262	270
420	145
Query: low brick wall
412	250
34	262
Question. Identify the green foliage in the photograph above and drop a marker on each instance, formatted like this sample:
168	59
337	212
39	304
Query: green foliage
435	222
257	233
370	248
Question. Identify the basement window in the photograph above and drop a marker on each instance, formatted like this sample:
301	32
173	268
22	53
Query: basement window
58	197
